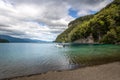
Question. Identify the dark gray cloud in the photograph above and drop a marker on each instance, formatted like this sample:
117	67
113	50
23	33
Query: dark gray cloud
11	31
3	25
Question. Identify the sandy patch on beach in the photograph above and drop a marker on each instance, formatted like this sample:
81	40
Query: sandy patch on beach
109	71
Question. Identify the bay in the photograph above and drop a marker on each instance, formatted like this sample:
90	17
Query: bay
19	59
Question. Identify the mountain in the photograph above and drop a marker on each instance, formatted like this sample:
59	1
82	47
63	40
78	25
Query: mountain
102	27
63	37
18	40
4	41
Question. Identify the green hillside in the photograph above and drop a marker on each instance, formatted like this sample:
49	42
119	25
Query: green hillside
63	37
103	27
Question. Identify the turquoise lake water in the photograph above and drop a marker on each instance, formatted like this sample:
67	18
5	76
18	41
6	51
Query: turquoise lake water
19	59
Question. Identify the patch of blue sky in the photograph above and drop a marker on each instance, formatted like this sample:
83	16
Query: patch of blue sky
73	13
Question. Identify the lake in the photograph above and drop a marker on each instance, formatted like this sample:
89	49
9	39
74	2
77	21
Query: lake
19	59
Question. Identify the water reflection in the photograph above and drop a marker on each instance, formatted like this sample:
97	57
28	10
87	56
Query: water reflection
92	54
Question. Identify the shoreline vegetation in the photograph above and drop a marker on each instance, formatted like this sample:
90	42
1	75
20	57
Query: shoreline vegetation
108	71
102	27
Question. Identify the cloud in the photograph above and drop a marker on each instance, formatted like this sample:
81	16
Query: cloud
42	19
85	6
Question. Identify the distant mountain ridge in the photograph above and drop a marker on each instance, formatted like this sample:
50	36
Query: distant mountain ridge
19	40
4	41
102	27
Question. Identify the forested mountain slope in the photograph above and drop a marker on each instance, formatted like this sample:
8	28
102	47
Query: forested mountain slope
103	27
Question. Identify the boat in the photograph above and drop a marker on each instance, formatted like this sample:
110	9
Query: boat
60	45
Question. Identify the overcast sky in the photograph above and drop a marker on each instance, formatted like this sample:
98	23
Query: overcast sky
43	19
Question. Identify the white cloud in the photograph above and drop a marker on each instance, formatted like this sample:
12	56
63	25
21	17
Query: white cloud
41	19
